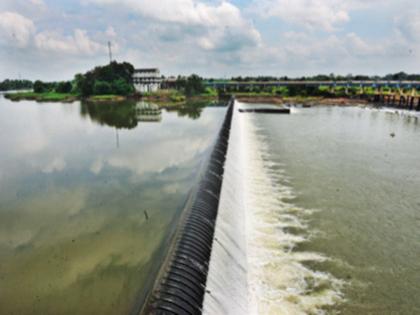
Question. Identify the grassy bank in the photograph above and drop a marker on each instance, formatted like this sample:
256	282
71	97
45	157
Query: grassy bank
175	98
42	97
60	97
106	98
163	98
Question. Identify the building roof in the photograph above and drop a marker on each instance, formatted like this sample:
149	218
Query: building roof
146	70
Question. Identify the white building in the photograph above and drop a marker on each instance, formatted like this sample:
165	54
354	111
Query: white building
147	80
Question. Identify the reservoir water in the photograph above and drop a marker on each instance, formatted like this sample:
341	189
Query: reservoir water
89	195
323	211
319	211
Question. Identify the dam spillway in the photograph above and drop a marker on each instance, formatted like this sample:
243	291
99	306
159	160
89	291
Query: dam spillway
234	252
182	286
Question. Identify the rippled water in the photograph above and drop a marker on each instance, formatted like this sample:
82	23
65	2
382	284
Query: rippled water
345	235
89	195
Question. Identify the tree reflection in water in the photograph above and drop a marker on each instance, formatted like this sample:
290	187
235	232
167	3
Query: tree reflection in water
127	115
121	115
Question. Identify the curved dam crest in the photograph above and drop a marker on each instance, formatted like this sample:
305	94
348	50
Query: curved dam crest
181	287
233	253
254	268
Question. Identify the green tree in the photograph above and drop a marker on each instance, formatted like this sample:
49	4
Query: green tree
115	78
8	85
39	87
194	85
102	88
121	87
64	87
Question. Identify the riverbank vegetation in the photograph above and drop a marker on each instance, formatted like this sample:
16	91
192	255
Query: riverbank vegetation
105	83
399	76
309	91
15	85
112	79
50	96
113	82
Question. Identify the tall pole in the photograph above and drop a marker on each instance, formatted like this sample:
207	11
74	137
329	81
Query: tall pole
110	52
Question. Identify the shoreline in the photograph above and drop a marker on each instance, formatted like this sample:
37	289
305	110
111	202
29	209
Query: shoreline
163	101
166	101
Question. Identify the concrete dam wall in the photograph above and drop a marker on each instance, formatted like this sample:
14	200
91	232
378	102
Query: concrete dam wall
181	287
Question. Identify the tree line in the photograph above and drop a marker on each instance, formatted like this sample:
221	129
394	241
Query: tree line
190	86
112	79
10	85
400	76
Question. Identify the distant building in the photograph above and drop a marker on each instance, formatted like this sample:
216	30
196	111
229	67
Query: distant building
170	83
147	80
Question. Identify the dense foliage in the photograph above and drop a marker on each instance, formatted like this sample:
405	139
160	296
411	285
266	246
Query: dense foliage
115	78
10	85
192	85
50	87
331	77
306	90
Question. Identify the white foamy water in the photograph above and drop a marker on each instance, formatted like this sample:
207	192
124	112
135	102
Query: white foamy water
254	268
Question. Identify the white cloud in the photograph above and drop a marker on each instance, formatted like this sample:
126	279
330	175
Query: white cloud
215	27
357	46
312	14
189	12
38	3
78	43
15	28
409	25
110	32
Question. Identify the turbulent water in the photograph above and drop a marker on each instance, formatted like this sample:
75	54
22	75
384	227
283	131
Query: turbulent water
319	214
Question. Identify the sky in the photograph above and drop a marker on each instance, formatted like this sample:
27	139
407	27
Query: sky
55	39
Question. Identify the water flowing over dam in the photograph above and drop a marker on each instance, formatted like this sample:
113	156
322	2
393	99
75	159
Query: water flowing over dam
247	266
278	223
253	269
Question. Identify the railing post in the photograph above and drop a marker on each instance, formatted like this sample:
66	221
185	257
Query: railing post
411	103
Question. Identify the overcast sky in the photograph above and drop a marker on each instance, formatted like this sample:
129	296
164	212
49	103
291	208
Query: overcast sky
54	39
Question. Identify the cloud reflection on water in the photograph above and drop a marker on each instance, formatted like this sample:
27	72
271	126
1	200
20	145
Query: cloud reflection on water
73	235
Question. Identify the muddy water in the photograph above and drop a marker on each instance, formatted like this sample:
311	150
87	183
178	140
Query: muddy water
88	197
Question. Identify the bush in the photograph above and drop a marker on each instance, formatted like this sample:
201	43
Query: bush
194	85
211	91
115	78
282	91
121	87
64	87
39	87
102	88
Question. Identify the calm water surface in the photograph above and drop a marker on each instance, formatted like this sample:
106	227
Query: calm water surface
364	188
75	183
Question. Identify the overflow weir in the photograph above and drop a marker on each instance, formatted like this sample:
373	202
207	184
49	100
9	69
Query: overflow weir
181	286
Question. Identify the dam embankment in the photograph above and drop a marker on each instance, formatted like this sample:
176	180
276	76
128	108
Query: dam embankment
182	285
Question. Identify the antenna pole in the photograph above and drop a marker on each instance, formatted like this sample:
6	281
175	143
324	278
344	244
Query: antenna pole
110	52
